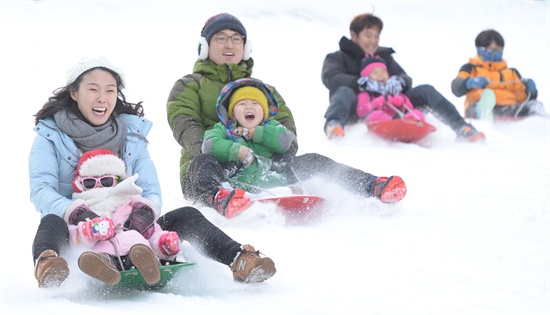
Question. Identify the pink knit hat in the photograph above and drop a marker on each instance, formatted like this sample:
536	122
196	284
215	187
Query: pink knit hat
370	62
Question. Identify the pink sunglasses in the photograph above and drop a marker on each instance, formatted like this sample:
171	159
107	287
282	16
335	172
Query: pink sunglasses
104	181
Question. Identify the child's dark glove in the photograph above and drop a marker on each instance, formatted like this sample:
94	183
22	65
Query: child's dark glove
81	214
142	219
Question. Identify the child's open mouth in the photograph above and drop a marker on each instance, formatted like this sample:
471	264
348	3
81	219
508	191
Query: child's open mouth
249	116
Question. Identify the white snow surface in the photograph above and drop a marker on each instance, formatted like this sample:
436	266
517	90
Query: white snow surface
470	237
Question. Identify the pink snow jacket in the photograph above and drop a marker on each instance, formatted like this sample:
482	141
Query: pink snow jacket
115	203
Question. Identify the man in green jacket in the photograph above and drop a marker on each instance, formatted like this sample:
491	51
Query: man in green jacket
224	56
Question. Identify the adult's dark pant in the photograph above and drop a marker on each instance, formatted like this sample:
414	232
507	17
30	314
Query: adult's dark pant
426	96
192	226
52	233
342	106
313	164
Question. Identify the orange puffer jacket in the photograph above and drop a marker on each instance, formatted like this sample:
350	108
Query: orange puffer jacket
504	81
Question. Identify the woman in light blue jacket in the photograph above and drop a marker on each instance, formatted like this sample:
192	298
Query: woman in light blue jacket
91	112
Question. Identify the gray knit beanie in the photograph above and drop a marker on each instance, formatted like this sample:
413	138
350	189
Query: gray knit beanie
221	22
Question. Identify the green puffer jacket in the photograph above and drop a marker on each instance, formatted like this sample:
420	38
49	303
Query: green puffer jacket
191	106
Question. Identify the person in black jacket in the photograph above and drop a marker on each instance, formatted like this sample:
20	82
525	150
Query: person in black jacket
341	72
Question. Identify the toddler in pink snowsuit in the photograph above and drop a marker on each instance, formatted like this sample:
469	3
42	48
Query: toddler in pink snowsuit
376	100
108	213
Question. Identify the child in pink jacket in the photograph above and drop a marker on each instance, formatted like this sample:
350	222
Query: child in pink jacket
375	101
110	216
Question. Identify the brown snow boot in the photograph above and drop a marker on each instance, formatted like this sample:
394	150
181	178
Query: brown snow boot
50	270
99	266
250	267
145	260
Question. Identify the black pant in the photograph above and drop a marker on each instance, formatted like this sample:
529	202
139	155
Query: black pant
52	233
342	107
193	227
313	164
205	175
426	96
188	222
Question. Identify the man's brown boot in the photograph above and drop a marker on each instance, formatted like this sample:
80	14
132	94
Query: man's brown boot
250	267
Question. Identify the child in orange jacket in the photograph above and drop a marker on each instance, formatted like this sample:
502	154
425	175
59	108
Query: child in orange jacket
491	88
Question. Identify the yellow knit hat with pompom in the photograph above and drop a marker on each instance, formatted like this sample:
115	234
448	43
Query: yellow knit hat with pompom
248	92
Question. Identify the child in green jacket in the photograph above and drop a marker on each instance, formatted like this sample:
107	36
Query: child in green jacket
245	140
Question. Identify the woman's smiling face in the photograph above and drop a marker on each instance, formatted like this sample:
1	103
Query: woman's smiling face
96	96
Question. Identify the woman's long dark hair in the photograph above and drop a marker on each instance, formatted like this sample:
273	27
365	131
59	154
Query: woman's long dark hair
61	100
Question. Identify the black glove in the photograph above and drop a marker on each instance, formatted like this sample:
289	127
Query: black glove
282	163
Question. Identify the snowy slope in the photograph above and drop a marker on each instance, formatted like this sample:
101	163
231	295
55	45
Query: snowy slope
471	237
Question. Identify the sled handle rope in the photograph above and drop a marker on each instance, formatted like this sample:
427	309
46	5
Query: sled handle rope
522	104
117	254
400	112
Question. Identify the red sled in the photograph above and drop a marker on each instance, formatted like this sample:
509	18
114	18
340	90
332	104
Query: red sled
402	129
507	118
294	203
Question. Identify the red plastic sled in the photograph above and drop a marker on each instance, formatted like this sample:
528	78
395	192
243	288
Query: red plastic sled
294	203
508	118
403	130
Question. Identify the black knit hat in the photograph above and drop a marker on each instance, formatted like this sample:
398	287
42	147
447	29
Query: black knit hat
221	22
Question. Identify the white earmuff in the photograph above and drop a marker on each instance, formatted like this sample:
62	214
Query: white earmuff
203	48
247	50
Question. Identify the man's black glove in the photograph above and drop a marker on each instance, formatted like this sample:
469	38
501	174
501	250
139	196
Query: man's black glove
282	163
